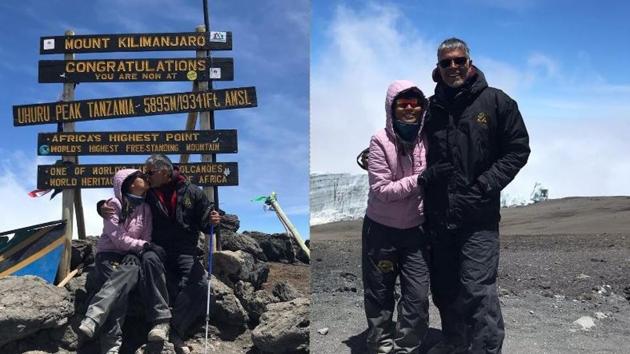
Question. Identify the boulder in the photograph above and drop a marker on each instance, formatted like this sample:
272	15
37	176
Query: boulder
284	327
277	247
83	252
28	305
285	291
254	301
231	241
225	308
230	222
156	348
585	322
232	266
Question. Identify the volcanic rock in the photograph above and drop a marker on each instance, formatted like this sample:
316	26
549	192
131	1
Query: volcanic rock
29	304
284	327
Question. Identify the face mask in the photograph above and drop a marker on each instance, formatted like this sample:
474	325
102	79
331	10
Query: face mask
407	131
134	199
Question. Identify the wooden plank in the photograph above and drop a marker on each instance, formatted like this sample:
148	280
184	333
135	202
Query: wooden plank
69	277
134	106
143	69
137	142
100	175
135	42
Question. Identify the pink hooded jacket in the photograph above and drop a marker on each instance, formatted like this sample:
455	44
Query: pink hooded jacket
395	199
134	232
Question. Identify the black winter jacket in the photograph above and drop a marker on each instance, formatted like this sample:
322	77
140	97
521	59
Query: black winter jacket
192	215
481	132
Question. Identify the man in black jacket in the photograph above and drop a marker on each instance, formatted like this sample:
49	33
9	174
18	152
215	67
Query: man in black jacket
477	143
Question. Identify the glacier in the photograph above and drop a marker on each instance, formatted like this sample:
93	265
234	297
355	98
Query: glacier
337	197
343	196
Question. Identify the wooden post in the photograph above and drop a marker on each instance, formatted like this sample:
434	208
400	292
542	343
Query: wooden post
78	211
287	223
68	195
205	119
191	121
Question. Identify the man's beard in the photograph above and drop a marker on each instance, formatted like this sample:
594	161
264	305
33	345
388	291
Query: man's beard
456	84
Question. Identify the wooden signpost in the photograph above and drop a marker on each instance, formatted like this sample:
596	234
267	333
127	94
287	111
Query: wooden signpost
100	175
134	106
135	42
137	143
201	70
111	70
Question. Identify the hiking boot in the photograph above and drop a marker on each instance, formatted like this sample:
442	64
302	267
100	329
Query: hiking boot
179	344
110	345
87	327
447	348
159	332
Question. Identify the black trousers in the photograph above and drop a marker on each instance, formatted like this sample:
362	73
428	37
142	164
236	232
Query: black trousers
464	268
186	291
116	276
389	253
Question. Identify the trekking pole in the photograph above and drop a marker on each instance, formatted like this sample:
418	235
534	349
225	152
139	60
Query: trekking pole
209	288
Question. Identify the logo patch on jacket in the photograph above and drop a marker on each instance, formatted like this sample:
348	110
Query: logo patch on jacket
482	119
187	202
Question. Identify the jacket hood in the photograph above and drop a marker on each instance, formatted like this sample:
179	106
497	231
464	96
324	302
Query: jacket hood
395	89
119	178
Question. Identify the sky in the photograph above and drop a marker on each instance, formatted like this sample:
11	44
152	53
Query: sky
564	62
270	53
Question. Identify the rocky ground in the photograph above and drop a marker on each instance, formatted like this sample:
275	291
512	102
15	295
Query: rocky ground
260	304
564	280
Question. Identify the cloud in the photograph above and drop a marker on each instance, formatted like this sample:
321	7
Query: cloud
576	157
270	53
364	52
539	60
18	174
576	126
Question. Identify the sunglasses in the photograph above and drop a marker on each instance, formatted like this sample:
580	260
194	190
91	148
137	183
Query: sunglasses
404	102
459	61
151	173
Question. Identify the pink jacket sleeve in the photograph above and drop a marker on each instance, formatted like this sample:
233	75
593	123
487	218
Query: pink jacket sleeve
117	233
380	176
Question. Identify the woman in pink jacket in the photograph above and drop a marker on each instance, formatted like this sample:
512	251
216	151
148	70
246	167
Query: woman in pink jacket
124	237
394	244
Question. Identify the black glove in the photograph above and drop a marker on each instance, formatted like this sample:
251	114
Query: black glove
362	159
150	246
99	204
435	173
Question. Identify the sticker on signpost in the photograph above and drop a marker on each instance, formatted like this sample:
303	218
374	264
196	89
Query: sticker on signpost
191	75
49	43
218	36
215	73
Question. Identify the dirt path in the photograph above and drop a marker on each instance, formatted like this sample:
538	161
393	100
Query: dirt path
548	280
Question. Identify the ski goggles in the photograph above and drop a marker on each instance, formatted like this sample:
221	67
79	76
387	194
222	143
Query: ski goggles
404	102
